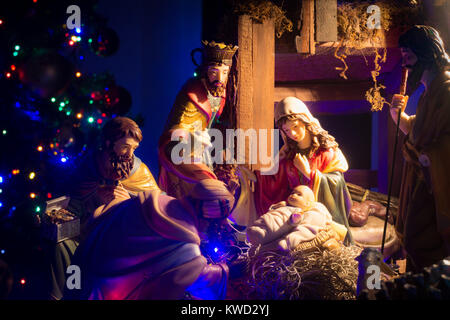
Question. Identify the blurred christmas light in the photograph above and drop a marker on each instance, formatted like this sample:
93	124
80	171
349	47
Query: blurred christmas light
2	251
15	171
1	190
17	48
13	67
49	195
99	121
8	75
1	204
91	101
63	160
15	54
40	148
195	74
78	74
78	30
53	99
32	195
38	209
32	175
90	119
71	43
17	104
23	281
1	179
1	22
68	113
4	132
79	115
62	104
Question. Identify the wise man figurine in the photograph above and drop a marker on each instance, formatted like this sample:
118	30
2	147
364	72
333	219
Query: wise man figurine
197	108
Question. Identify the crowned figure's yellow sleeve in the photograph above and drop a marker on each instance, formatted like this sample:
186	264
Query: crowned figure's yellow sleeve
187	116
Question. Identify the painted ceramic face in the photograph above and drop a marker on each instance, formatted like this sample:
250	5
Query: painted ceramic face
301	197
121	158
125	146
217	77
295	130
409	58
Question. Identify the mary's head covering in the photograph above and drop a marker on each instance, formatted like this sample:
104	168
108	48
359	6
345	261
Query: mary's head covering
292	106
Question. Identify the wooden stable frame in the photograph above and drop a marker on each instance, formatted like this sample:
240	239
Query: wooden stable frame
265	77
256	72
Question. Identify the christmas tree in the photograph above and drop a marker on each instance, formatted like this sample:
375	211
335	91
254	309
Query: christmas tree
52	110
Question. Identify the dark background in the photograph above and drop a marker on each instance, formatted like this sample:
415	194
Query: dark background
153	60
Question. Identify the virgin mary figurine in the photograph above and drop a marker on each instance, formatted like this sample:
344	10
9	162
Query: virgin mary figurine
310	156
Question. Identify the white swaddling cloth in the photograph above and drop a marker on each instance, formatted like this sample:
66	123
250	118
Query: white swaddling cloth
286	227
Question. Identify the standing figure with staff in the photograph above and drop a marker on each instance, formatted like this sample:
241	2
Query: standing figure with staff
423	222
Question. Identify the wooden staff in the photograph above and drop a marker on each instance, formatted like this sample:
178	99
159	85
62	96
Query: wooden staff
402	92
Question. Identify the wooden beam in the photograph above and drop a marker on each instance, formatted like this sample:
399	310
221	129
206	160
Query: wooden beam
328	91
326	20
305	43
256	65
292	67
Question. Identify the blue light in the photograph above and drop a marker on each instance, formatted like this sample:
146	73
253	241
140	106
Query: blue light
11	212
2	251
17	104
1	204
81	57
78	30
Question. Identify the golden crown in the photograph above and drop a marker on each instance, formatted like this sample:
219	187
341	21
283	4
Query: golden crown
218	52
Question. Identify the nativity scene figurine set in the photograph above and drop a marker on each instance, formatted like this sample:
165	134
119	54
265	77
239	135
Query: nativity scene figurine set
143	240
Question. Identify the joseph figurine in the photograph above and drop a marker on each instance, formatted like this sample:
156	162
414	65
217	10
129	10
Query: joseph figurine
197	108
423	223
112	164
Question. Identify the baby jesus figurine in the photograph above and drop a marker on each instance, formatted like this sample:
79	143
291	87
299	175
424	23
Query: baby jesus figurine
288	225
